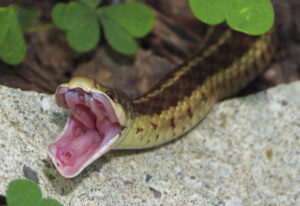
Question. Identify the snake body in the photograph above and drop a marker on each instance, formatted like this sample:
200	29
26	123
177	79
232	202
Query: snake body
182	98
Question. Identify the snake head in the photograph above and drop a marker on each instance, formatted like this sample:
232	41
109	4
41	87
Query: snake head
98	120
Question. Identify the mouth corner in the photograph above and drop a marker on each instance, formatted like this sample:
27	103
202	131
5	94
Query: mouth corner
91	131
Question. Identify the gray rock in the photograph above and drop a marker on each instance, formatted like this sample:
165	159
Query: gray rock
245	152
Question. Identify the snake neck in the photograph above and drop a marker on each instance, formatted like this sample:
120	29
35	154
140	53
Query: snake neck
182	98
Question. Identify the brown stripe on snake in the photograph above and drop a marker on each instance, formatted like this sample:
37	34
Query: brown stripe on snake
175	104
225	52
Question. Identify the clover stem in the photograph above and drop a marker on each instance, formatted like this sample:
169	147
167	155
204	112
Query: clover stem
41	27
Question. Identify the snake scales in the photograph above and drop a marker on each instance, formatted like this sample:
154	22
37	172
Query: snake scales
103	118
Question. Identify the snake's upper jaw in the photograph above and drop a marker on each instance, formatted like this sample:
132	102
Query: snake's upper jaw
91	130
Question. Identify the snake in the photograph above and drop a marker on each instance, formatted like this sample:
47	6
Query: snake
103	119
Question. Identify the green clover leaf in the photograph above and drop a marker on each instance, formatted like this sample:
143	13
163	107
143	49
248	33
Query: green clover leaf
91	3
117	37
253	17
49	202
210	12
26	17
25	192
136	18
80	22
12	43
122	23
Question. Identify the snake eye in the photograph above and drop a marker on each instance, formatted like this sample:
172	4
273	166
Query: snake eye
110	94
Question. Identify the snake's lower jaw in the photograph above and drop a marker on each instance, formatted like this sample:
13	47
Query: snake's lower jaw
69	166
91	131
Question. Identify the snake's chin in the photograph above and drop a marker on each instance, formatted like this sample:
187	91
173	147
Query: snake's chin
90	131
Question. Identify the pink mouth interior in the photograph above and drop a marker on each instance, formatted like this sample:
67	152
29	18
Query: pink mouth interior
91	126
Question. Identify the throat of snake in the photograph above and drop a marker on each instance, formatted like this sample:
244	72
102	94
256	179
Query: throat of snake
91	130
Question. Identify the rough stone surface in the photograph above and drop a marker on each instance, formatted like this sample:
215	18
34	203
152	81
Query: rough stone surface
245	152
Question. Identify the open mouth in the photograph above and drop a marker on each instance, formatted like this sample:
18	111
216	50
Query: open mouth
91	130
